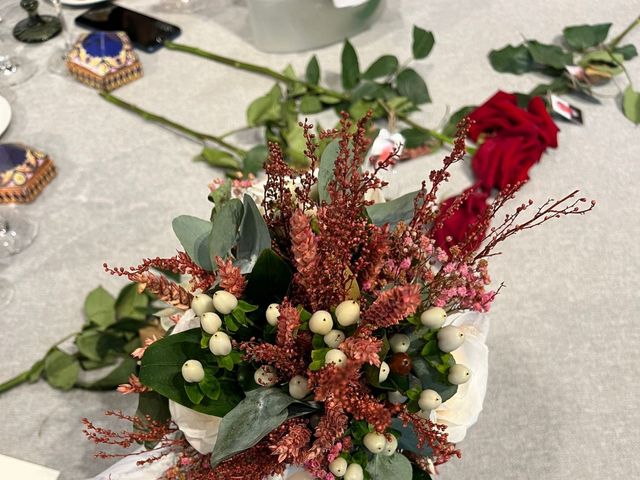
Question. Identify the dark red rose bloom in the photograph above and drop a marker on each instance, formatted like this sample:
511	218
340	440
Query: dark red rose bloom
514	139
458	224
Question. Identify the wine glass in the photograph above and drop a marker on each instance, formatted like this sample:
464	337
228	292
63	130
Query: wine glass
35	28
57	62
14	67
16	232
182	6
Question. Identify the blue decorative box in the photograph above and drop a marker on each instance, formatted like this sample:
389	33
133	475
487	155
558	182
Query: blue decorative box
24	172
104	60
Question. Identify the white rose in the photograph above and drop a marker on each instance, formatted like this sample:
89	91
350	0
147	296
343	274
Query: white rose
462	410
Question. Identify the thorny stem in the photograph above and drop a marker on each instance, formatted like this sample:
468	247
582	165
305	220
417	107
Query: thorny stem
152	117
614	43
27	375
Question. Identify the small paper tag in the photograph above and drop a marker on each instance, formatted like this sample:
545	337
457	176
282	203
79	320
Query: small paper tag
565	110
14	468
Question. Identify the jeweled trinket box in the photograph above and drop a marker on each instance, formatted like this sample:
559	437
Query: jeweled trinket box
104	60
24	172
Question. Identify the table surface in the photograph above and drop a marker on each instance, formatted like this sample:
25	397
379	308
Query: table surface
562	399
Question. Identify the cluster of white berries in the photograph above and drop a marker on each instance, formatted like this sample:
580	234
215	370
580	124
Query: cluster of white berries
376	443
349	471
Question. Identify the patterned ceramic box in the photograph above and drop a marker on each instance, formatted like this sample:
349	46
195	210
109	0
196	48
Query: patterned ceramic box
24	172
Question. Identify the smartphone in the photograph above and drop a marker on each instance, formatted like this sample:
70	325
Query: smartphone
146	33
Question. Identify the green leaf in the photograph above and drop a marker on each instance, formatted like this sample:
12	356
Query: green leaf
154	406
87	343
581	37
225	362
400	104
193	234
310	104
329	100
269	280
415	138
266	108
394	211
369	90
408	439
383	67
603	61
627	51
117	376
431	378
161	370
294	88
631	104
254	236
510	59
350	66
313	71
397	467
210	386
255	159
61	369
550	55
99	308
450	128
326	169
557	85
412	86
215	157
194	393
225	229
423	41
250	421
131	304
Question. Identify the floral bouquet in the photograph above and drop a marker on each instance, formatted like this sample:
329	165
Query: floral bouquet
320	335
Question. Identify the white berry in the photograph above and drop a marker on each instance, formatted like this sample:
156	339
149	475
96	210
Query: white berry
266	376
396	398
348	313
299	387
224	302
321	322
450	338
429	400
433	317
354	472
210	322
399	343
375	442
383	374
272	314
335	356
201	303
334	338
192	371
338	467
458	374
391	446
220	344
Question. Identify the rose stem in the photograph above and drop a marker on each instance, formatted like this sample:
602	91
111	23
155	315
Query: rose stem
614	43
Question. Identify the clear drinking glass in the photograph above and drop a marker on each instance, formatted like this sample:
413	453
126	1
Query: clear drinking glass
182	6
57	62
16	232
14	67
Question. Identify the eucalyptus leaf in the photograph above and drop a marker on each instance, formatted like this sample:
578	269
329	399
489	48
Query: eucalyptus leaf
193	234
215	157
550	55
510	59
396	467
383	67
310	104
254	236
250	421
225	229
581	37
61	369
132	304
408	439
350	67
326	169
412	86
99	308
313	71
394	211
255	159
631	104
423	42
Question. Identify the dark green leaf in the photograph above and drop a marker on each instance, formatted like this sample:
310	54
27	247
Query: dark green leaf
194	393
117	376
269	280
193	234
415	138
450	128
511	59
154	406
215	157
581	37
87	343
61	369
396	467
627	51
327	165
412	86
558	85
422	43
329	100
266	108
313	71
401	104
408	439
393	211
350	66
631	104
254	235
225	229
99	307
250	421
254	159
210	386
383	67
367	90
225	362
161	370
310	104
132	304
550	55
36	371
431	378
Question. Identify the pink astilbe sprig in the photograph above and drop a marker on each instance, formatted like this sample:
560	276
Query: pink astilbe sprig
431	434
304	249
139	352
292	445
332	426
134	386
390	308
288	324
362	350
230	277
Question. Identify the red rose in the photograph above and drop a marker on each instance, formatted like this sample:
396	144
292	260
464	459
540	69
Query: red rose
514	139
458	224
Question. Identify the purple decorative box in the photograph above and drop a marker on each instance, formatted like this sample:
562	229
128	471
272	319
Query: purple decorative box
24	172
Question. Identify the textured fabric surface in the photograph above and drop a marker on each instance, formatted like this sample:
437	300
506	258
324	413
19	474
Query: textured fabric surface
562	400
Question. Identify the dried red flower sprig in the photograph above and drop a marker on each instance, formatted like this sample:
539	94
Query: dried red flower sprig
390	308
432	435
230	277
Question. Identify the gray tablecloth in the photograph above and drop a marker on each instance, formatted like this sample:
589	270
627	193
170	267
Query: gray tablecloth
562	399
